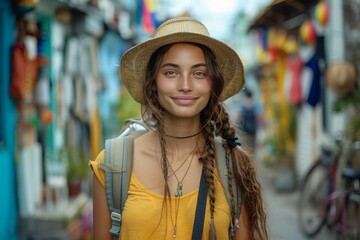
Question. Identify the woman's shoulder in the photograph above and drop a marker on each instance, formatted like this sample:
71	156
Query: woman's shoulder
146	137
101	156
94	165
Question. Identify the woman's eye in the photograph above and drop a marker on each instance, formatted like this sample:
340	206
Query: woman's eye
199	74
170	73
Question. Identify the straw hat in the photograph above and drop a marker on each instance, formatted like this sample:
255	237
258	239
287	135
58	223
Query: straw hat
341	77
181	29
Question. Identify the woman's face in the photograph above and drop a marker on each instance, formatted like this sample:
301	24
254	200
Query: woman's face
183	84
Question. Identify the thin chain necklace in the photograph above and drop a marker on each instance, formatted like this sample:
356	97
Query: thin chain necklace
178	193
180	184
182	164
187	158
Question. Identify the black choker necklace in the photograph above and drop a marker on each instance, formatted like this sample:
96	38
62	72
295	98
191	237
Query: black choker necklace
190	136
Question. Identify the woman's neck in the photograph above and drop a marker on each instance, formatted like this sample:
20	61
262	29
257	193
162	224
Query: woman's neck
182	128
184	137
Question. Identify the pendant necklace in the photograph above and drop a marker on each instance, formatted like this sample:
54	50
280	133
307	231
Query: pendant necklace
179	192
179	188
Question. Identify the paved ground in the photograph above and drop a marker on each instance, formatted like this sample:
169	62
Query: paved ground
281	208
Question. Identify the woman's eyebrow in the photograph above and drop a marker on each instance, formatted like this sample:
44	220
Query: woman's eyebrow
199	65
170	65
177	66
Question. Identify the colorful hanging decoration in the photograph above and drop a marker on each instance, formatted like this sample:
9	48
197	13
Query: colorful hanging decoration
272	44
291	45
263	56
41	42
24	69
295	66
322	13
281	38
264	38
148	15
314	93
308	32
25	6
46	116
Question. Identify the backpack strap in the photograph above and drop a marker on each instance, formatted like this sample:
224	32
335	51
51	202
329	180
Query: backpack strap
113	174
118	166
223	174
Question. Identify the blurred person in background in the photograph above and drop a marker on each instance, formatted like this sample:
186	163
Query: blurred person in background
248	120
181	77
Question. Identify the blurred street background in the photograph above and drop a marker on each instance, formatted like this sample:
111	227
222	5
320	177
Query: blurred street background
61	97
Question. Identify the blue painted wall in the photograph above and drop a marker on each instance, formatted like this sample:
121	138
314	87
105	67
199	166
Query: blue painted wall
8	199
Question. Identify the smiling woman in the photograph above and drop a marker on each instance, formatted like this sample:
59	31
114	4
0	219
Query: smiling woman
183	85
181	77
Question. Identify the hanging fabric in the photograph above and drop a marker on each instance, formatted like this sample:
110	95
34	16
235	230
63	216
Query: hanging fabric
314	93
24	68
295	65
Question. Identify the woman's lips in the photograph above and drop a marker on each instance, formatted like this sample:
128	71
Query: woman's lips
184	101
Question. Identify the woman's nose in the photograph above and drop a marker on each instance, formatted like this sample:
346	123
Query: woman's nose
184	83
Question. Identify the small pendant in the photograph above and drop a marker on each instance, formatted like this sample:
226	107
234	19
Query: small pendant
175	232
178	192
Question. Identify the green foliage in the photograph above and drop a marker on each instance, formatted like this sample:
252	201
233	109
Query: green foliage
354	125
293	122
283	138
127	107
77	163
350	100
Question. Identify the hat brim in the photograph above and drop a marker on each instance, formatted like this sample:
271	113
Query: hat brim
134	63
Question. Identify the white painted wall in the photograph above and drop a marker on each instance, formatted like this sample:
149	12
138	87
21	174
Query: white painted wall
308	137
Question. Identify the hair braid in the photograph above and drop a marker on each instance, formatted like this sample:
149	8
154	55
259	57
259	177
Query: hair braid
207	158
223	128
245	176
230	184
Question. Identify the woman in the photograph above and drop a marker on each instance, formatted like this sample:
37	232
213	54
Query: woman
180	77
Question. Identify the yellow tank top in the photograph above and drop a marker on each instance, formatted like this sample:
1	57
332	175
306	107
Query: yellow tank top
145	217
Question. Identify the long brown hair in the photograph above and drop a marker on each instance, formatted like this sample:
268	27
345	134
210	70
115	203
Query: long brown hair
217	123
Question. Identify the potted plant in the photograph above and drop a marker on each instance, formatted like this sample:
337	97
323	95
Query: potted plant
77	169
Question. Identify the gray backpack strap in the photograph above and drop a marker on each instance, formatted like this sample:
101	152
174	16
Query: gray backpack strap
223	174
118	166
114	149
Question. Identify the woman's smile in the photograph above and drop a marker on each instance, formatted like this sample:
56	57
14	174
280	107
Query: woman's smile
184	100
